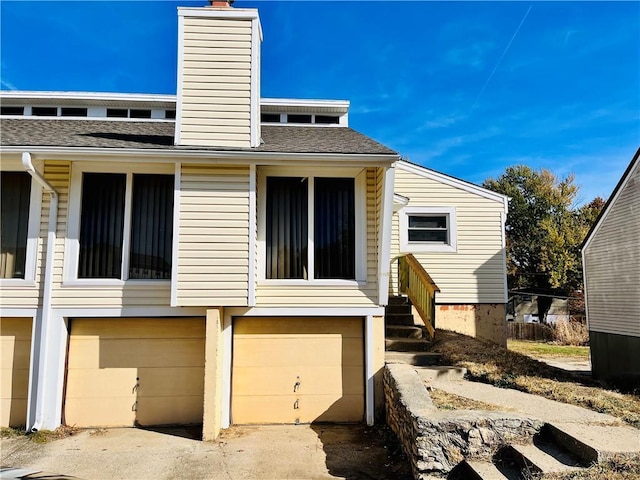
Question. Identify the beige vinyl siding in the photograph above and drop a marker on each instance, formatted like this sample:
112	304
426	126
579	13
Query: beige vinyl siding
213	255
475	273
154	293
274	295
612	265
216	82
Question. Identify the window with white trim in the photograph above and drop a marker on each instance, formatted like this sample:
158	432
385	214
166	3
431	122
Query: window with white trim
427	229
311	228
124	226
21	199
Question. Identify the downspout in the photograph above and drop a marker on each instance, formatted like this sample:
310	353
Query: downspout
48	282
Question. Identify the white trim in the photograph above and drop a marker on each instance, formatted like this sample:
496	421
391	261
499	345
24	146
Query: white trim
211	157
611	202
97	96
304	311
236	13
92	312
254	109
18	312
175	247
33	236
180	86
342	105
421	247
452	182
72	244
384	252
93	118
311	231
503	247
360	206
253	236
369	348
227	360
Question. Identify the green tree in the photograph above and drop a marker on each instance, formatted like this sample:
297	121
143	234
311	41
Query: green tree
544	231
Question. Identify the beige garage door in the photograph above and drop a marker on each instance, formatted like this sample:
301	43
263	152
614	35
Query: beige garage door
297	370
135	371
15	352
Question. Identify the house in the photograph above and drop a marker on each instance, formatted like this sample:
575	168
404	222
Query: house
611	263
523	308
215	257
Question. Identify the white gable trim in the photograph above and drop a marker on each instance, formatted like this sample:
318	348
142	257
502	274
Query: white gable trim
635	164
454	182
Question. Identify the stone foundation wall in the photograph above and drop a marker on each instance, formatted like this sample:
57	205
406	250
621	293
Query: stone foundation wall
484	320
436	441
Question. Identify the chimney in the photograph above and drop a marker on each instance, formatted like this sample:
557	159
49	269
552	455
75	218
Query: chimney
218	94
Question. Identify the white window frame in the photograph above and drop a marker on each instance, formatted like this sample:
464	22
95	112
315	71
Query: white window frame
360	204
421	247
72	245
33	233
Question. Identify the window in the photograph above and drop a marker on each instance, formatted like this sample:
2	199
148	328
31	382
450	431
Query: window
44	111
327	119
15	194
117	112
139	113
11	110
270	118
310	228
428	229
73	112
298	118
126	226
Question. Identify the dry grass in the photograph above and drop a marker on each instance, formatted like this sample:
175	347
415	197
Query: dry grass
498	366
449	401
571	333
41	436
614	469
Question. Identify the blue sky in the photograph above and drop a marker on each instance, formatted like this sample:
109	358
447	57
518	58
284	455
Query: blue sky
465	88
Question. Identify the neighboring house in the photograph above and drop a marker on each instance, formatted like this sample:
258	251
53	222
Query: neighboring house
611	262
523	308
214	257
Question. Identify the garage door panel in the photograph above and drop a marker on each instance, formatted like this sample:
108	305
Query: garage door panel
137	328
145	380
313	381
15	354
270	354
100	412
297	326
14	384
167	411
127	352
280	409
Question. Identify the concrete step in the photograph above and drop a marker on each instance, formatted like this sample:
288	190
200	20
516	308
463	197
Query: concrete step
398	309
595	443
481	470
441	373
400	319
403	331
406	344
544	457
417	359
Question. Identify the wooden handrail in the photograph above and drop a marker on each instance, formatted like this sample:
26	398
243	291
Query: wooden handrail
417	284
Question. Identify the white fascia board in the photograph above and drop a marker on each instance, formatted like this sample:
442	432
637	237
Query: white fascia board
630	172
236	13
307	103
200	156
98	96
453	182
303	311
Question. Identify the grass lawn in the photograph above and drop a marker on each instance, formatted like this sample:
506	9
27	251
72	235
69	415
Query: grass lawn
539	349
506	368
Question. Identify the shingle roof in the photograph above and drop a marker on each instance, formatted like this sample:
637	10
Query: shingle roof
159	135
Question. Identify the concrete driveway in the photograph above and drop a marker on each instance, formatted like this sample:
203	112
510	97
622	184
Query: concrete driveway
262	452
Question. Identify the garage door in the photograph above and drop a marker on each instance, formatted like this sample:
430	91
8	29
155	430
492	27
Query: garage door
15	352
297	370
135	371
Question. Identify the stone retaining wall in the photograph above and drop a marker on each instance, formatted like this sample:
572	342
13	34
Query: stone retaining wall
436	441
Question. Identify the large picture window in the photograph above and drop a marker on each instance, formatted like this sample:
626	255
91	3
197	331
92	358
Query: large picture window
310	231
15	194
126	226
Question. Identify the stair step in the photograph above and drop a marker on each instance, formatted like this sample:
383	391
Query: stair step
481	470
571	442
417	359
403	331
398	309
400	319
406	344
441	373
398	300
545	457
